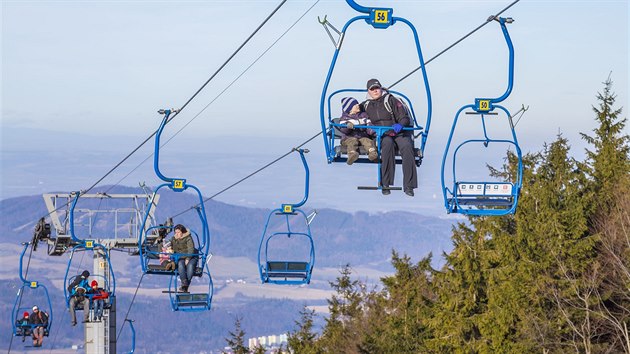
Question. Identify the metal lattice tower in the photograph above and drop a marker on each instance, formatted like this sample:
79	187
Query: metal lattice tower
100	336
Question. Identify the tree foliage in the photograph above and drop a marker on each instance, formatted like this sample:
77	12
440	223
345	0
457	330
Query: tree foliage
302	340
552	278
236	341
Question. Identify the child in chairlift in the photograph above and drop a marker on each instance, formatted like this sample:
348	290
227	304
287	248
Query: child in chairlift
351	138
98	299
165	256
23	326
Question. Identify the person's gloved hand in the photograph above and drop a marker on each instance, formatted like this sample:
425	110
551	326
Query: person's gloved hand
350	125
397	128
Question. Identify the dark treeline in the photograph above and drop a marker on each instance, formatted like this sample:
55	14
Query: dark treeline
553	278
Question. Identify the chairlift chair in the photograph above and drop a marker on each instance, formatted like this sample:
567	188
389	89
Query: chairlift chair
378	18
179	301
484	197
285	270
29	292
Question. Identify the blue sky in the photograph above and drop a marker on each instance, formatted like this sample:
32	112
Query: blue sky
81	81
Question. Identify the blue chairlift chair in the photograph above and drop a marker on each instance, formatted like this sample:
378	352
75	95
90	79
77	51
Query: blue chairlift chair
378	18
279	267
484	197
179	301
30	291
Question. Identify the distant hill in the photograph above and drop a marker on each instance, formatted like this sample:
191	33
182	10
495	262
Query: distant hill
340	237
362	240
158	328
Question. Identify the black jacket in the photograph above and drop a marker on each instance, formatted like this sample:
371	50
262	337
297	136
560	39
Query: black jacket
39	318
380	116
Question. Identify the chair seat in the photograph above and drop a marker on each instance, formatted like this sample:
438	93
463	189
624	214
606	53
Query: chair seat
482	201
285	275
287	269
161	269
23	331
192	300
158	269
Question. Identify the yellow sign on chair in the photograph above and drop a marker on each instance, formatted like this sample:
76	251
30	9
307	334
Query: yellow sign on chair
178	184
89	244
33	284
288	208
381	16
484	105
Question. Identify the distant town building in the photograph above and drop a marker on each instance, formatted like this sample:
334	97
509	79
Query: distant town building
269	342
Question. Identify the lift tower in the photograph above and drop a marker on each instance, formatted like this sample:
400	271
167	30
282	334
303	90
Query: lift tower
112	221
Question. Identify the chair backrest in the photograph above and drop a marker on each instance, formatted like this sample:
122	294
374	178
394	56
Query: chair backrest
485	189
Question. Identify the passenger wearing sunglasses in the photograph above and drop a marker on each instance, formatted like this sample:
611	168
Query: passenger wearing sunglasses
397	118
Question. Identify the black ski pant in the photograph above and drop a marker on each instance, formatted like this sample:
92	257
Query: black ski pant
388	159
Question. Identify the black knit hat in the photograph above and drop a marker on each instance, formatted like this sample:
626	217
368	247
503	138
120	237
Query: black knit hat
85	274
373	83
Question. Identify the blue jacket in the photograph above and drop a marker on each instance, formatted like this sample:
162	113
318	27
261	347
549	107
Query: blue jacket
81	288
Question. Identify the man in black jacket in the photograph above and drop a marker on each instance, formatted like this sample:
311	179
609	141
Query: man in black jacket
38	321
397	118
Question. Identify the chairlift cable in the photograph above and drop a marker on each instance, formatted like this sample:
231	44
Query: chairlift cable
283	156
28	264
98	208
248	176
390	86
217	96
130	305
455	43
180	109
54	340
195	94
269	164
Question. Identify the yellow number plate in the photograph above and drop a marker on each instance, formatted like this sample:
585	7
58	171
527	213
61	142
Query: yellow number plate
178	184
288	208
381	16
33	284
484	105
89	244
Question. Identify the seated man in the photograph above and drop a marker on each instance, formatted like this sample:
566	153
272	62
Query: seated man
78	290
38	321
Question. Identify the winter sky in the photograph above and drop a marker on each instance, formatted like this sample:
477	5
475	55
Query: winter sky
82	81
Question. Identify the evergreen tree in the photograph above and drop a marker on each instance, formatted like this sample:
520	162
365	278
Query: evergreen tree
398	315
236	341
303	339
609	161
509	274
551	278
461	295
609	167
341	333
259	349
557	250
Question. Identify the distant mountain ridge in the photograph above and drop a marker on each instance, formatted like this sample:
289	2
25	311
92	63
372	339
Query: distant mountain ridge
340	237
362	240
